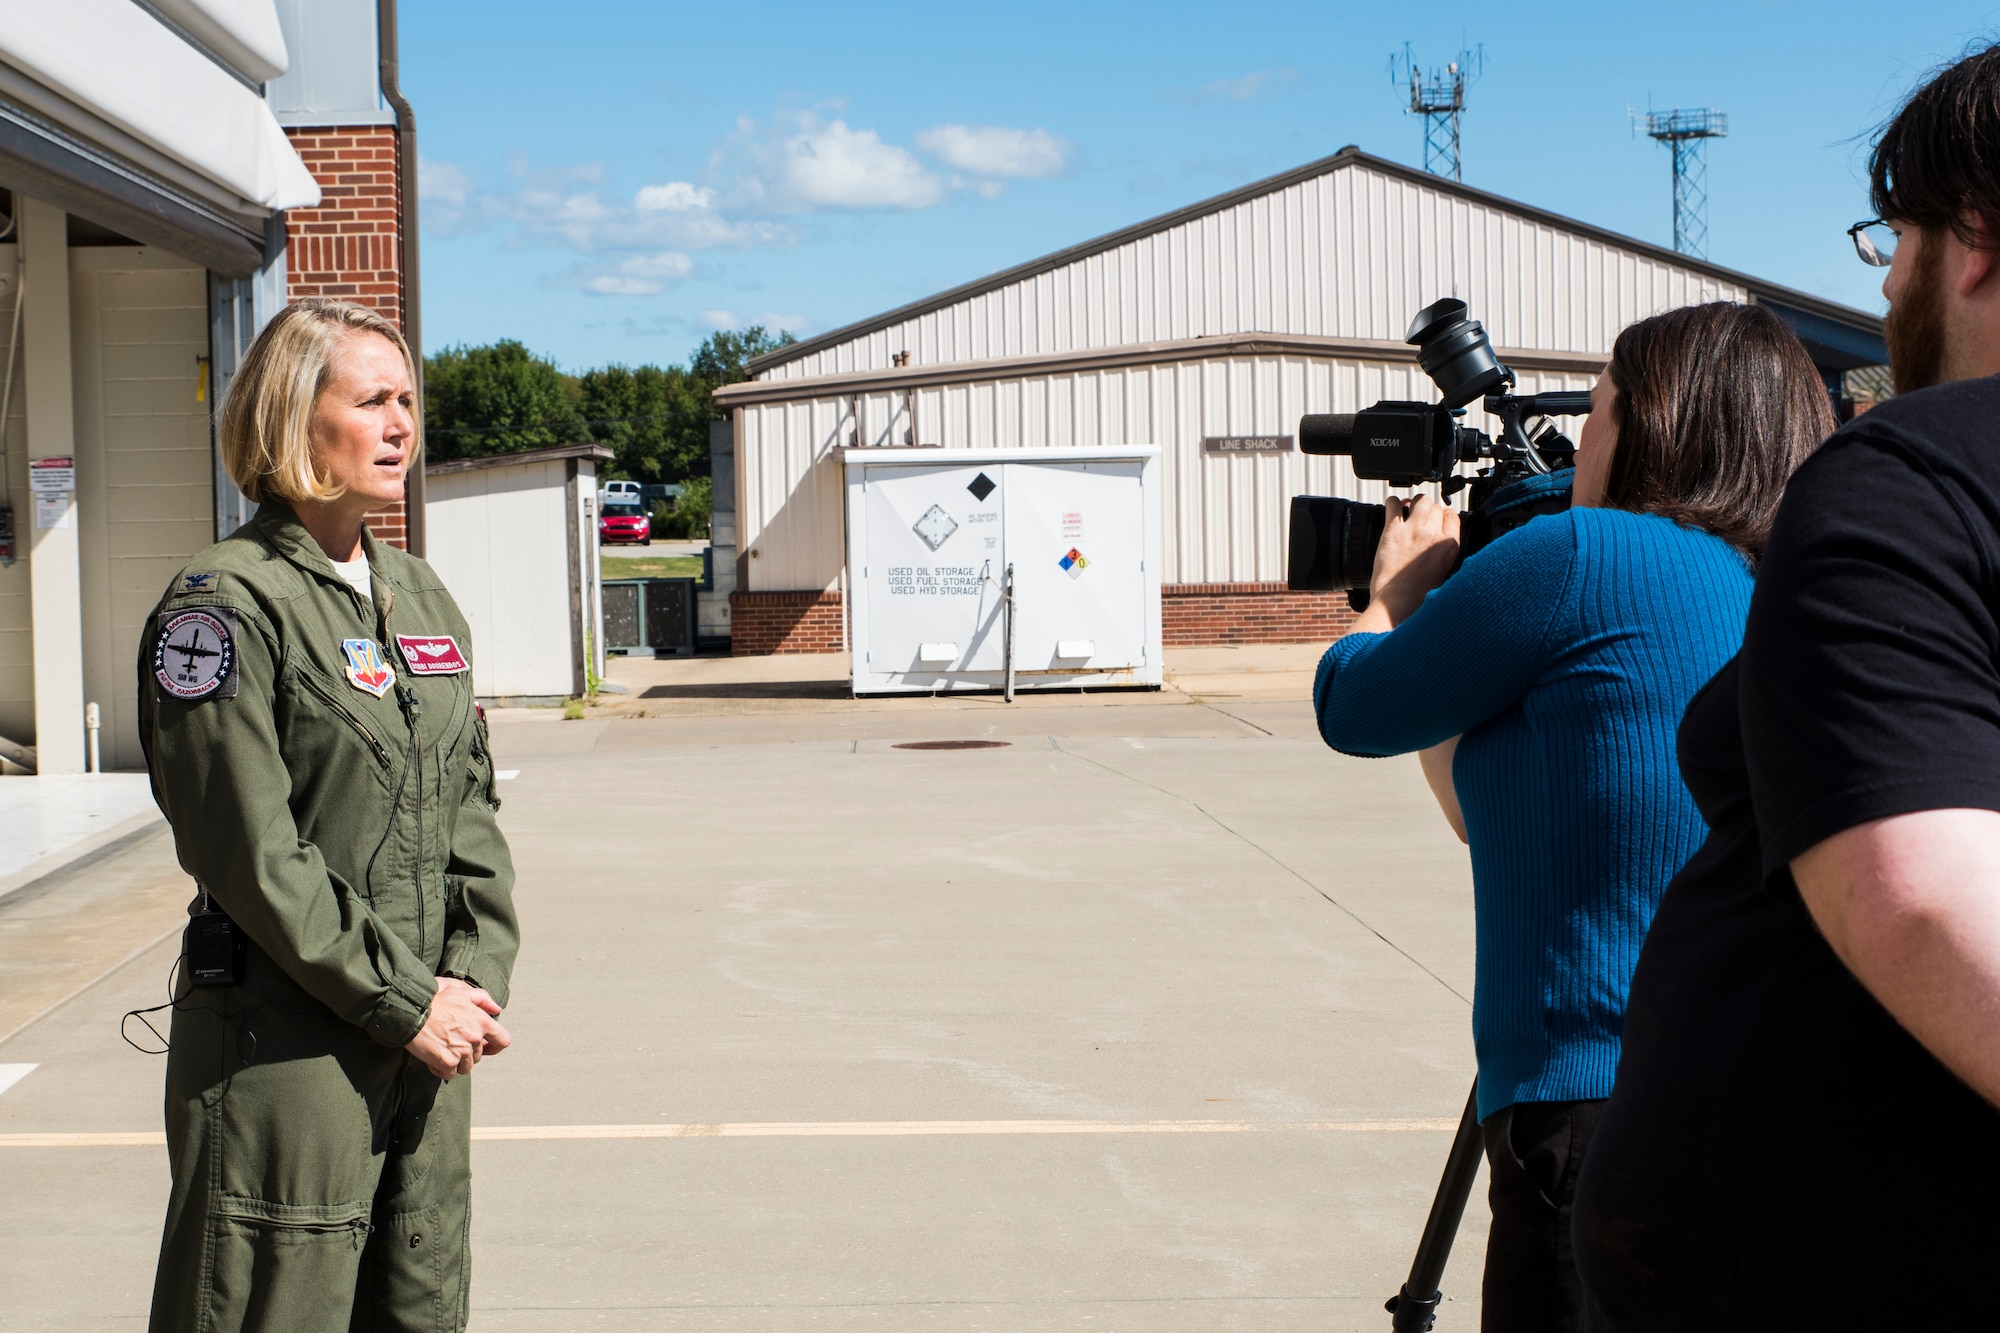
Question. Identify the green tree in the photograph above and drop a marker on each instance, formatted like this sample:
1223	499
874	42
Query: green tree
721	357
642	413
502	398
498	399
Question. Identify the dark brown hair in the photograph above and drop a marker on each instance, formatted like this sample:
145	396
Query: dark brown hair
1939	159
1717	405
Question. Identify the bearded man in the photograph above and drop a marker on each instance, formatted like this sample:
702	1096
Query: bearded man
1803	1130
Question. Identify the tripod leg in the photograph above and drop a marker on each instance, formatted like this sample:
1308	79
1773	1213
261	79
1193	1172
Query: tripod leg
1414	1308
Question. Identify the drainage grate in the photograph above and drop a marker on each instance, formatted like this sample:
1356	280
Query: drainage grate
951	745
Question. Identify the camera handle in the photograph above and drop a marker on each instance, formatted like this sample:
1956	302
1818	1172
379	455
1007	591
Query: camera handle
1510	411
1414	1308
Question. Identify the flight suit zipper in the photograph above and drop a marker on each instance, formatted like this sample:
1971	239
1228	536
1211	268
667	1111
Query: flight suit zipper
332	701
406	700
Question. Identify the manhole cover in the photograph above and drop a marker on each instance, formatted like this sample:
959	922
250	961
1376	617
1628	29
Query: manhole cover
951	745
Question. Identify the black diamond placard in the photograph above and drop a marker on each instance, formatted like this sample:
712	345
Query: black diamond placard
982	486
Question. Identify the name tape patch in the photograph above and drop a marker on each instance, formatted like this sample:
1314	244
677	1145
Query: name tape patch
365	668
194	654
432	654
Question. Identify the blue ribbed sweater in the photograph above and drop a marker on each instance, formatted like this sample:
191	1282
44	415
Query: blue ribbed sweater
1565	654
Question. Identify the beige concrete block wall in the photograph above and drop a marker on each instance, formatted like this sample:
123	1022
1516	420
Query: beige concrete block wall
139	327
17	638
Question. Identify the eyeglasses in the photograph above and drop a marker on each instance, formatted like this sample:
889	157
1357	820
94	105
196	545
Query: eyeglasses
1874	241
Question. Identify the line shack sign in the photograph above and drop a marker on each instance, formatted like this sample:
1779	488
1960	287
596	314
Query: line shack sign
1246	444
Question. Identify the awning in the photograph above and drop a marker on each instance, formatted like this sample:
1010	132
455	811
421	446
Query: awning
117	61
245	33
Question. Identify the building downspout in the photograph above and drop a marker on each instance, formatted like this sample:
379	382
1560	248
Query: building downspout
406	228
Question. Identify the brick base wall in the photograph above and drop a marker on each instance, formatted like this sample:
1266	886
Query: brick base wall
785	622
348	245
1197	615
1193	615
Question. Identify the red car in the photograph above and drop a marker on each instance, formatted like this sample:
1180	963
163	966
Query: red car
624	523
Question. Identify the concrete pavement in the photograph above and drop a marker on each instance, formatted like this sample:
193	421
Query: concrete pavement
1153	1018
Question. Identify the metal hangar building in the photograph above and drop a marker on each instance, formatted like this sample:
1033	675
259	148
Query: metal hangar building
1208	331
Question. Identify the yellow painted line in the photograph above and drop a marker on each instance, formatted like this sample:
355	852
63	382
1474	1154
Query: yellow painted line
829	1129
137	1139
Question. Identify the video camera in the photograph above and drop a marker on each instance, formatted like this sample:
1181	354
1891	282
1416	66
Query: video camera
1410	444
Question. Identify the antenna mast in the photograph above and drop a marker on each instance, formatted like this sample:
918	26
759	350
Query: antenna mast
1688	133
1439	97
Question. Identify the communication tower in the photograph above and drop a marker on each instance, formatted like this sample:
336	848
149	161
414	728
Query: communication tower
1439	96
1688	133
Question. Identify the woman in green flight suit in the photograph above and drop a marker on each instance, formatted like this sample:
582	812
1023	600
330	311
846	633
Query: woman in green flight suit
306	706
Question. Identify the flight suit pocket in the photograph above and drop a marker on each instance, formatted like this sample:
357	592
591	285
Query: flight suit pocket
284	1266
482	775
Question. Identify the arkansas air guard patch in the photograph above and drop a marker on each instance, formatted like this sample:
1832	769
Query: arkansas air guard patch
365	668
194	654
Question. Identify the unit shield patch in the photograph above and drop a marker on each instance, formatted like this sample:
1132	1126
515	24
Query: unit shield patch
194	654
432	654
365	668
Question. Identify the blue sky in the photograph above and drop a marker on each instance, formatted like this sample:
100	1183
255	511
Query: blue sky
611	180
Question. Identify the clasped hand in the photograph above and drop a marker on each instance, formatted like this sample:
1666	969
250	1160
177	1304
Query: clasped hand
1418	548
462	1028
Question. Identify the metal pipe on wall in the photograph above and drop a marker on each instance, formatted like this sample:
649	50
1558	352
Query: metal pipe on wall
406	227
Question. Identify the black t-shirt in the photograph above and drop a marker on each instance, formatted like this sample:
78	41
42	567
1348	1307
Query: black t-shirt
1778	1151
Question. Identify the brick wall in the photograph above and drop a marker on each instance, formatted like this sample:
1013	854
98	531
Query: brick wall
348	246
785	622
1192	614
1197	614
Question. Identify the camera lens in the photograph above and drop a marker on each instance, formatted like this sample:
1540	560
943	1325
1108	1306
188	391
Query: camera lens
1454	352
1332	544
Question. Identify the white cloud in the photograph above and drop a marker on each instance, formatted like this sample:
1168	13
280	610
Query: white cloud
446	193
674	197
640	275
715	320
992	152
571	209
825	164
1243	89
798	162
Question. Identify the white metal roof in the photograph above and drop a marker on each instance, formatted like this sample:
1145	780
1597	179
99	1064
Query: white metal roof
1346	247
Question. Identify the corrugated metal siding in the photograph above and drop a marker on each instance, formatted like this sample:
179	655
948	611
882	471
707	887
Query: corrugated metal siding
1352	253
1225	514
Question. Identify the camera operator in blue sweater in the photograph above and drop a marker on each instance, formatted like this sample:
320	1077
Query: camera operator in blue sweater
1544	683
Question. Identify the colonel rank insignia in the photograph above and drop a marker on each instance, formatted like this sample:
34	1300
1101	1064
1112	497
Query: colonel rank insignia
194	654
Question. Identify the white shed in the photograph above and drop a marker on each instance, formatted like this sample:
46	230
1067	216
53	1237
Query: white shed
1210	331
514	537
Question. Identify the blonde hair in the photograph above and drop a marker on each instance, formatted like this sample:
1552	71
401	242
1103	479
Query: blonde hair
266	429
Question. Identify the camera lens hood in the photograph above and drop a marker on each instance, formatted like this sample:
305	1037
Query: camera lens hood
1455	353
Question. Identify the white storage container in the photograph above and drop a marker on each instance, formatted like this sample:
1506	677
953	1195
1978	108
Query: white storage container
931	534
